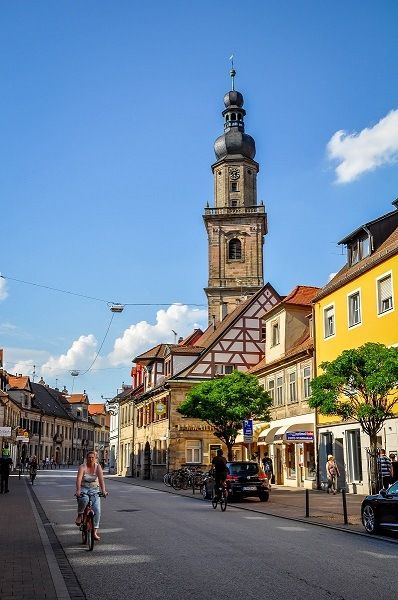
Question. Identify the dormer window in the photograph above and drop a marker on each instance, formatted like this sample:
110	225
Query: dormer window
358	249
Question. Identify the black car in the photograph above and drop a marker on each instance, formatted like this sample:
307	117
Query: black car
381	510
244	479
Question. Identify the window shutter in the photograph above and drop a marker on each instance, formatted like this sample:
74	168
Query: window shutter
385	288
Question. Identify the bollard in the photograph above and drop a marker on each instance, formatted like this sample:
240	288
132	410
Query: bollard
343	494
307	503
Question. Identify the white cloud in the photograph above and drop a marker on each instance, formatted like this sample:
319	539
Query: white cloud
143	335
3	289
79	356
365	151
22	360
331	276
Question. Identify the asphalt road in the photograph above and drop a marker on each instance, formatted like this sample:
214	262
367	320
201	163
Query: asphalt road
162	546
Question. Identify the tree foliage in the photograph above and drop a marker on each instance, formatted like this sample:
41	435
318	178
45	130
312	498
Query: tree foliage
225	402
359	384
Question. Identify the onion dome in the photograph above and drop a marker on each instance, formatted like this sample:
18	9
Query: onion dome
234	141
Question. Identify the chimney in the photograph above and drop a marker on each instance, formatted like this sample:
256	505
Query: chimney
180	340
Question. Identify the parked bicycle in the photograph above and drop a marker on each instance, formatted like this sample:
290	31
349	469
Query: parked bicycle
220	497
87	524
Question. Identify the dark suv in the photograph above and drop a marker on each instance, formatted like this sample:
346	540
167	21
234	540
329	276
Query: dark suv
245	478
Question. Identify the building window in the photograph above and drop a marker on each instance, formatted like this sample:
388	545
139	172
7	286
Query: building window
279	391
235	249
223	370
354	309
234	186
271	389
329	321
275	333
194	451
358	250
384	294
292	387
306	382
354	455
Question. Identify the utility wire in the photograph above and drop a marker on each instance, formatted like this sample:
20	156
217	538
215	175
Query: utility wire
100	348
108	302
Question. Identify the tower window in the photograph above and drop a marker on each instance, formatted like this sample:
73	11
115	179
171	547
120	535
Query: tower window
235	249
234	186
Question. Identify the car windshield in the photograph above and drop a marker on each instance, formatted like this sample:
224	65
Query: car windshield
393	489
242	469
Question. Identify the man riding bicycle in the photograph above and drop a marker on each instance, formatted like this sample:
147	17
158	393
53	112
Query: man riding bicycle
220	468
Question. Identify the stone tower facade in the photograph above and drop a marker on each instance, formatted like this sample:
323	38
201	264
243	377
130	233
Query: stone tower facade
236	225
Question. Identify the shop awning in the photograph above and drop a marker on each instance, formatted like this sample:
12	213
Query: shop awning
267	436
297	432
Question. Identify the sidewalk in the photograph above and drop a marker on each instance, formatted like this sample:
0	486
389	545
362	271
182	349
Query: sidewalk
24	573
324	509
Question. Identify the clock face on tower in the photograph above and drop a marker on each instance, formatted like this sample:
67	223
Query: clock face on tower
234	174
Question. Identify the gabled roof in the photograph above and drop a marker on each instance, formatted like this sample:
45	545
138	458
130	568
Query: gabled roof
161	350
349	273
46	399
78	399
362	228
304	343
191	339
18	382
96	409
301	294
212	334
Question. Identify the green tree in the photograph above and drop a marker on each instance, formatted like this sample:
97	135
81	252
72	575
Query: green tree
360	384
226	402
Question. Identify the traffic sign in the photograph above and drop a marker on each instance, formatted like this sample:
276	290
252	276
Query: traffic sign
248	431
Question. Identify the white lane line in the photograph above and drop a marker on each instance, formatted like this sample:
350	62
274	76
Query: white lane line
378	554
293	528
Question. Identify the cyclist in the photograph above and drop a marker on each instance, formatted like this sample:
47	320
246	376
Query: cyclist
220	468
33	466
89	481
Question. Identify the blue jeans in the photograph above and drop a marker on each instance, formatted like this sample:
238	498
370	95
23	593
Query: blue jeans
82	502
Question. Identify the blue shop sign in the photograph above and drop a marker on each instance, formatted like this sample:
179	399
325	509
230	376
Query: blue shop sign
299	436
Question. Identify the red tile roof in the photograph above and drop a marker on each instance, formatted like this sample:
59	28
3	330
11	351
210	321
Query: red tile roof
18	382
304	343
96	409
77	398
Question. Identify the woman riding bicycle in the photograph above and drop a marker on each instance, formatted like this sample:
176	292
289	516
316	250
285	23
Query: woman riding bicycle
33	466
89	482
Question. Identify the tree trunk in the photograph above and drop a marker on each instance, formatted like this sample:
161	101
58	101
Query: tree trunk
374	471
229	452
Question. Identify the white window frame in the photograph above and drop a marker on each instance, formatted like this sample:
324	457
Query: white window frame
305	384
271	390
279	399
292	385
275	327
193	452
350	296
327	308
378	280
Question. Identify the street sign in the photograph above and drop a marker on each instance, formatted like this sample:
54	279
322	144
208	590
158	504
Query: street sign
5	431
248	431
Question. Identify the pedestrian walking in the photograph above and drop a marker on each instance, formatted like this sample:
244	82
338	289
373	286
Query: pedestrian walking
384	466
5	466
332	473
268	467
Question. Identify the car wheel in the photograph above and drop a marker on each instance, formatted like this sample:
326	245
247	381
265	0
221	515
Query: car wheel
264	496
205	495
369	519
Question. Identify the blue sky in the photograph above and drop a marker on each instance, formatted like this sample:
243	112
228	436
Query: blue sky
108	115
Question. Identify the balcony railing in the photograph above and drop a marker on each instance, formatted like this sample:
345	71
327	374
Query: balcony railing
235	210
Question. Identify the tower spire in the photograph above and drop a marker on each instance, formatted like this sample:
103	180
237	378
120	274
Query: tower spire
232	72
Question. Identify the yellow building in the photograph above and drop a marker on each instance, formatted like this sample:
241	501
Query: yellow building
357	306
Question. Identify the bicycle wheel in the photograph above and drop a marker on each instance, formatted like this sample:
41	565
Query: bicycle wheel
90	531
223	501
32	477
214	502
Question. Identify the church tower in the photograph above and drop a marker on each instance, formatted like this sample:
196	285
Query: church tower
236	225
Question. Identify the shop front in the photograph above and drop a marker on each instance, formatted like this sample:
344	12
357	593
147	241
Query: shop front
290	444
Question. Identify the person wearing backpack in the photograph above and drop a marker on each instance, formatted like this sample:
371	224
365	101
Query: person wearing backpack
332	472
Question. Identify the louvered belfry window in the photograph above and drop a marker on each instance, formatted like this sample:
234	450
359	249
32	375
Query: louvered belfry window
235	249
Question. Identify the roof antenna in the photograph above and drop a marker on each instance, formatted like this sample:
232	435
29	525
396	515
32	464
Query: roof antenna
232	72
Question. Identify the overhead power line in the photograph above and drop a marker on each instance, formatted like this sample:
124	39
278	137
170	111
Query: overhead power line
108	302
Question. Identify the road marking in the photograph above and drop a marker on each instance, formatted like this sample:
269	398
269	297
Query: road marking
252	518
93	558
379	555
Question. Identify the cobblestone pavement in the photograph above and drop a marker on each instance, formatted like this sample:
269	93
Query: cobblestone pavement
25	573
